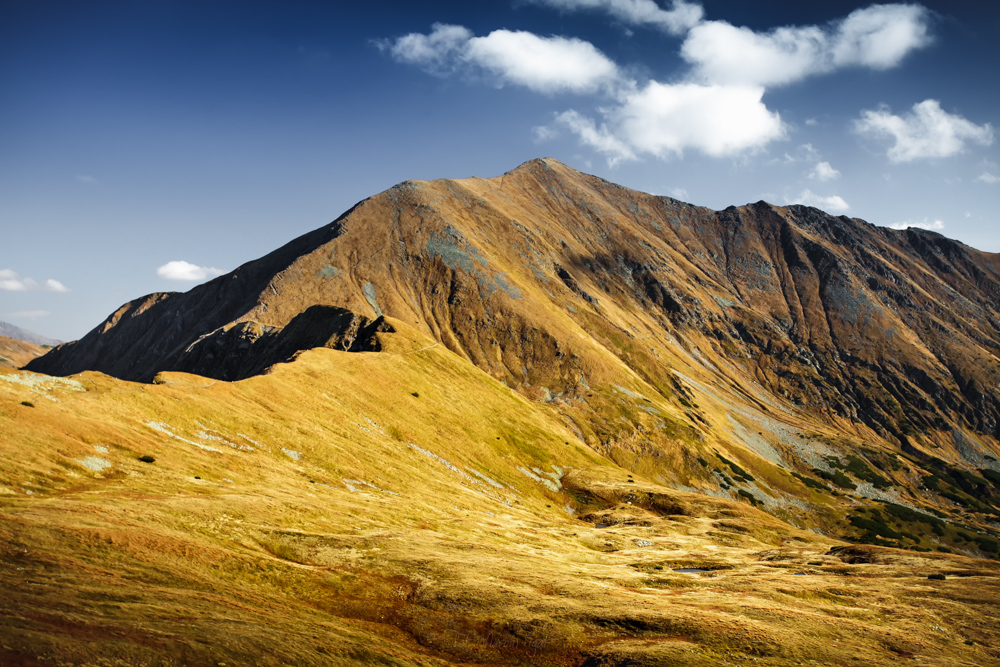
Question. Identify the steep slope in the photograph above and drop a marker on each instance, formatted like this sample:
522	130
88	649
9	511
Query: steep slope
16	353
774	354
405	508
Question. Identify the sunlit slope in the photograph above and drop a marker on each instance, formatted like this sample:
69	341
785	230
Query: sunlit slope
403	507
16	353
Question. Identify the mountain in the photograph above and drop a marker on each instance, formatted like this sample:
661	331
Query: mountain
486	420
17	333
16	353
895	329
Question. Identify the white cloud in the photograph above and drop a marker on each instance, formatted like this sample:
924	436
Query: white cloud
11	281
542	64
599	138
27	314
666	119
988	178
925	224
823	172
678	193
544	133
86	180
181	270
926	132
878	37
430	51
54	286
678	19
833	203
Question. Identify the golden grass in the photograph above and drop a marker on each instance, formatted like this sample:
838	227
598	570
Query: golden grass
357	531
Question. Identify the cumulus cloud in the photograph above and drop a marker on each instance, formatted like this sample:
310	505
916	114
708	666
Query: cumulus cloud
181	270
926	132
833	203
924	224
878	37
823	172
681	16
988	178
666	119
542	64
716	108
11	281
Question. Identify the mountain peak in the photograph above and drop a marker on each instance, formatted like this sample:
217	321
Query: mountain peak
538	275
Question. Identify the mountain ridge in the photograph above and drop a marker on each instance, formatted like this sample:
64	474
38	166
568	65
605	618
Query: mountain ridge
11	331
788	274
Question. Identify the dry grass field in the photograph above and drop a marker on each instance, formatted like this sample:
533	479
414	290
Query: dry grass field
404	507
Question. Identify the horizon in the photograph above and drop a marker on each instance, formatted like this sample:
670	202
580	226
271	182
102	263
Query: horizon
149	149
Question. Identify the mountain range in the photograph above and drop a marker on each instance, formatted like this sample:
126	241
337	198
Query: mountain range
621	386
17	333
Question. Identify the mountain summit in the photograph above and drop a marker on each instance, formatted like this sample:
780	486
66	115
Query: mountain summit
542	274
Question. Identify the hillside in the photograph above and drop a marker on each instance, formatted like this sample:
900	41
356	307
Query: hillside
484	420
16	353
402	507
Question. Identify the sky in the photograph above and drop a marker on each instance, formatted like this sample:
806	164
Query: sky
150	146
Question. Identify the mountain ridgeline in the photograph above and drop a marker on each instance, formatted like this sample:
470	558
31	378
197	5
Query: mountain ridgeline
532	419
895	329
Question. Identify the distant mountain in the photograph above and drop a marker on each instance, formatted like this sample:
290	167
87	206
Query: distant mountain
11	331
16	353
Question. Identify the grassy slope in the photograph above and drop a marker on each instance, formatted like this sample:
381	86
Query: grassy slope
367	550
16	353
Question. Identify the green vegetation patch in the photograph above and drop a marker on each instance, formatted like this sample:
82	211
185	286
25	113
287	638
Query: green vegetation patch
738	472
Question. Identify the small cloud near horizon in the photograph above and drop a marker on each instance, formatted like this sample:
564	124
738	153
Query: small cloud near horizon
933	225
833	203
181	270
28	314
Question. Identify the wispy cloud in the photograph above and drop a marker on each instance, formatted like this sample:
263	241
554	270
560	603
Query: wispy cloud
923	224
86	179
27	314
681	16
833	203
823	172
988	178
926	132
181	270
11	281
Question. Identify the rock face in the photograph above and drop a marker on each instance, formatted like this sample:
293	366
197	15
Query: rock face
546	277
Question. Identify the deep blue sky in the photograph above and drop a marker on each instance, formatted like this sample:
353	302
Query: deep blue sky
133	134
